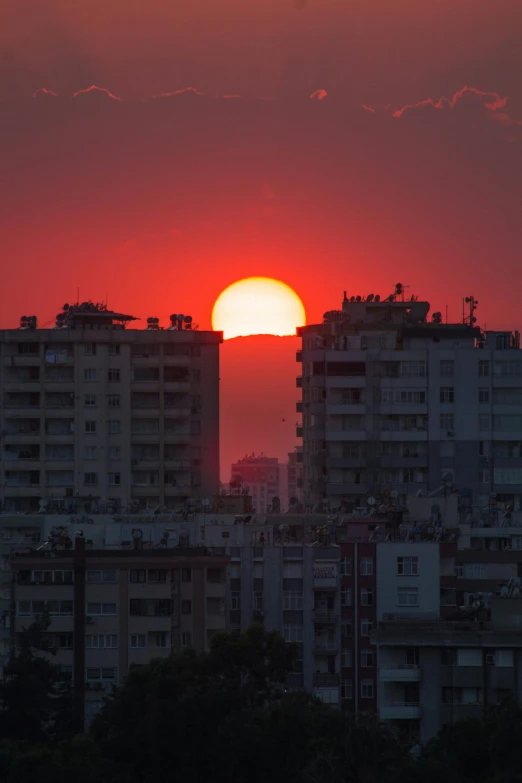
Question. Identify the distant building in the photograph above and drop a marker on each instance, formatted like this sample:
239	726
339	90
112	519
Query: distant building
295	474
261	476
98	414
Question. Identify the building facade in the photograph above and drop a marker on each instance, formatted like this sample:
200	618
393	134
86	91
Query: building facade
261	476
96	413
111	610
395	403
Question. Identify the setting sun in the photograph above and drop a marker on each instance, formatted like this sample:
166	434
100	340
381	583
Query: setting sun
258	305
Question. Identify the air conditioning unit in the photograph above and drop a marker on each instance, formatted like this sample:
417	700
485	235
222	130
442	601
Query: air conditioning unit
88	620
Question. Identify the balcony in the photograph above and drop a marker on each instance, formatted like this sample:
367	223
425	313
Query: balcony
326	680
400	710
320	616
346	489
330	647
299	382
299	406
399	672
299	432
299	356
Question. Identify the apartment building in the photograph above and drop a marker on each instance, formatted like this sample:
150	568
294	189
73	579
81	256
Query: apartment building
260	475
97	414
434	673
295	475
395	403
110	610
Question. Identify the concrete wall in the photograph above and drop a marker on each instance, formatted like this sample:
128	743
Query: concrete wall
427	582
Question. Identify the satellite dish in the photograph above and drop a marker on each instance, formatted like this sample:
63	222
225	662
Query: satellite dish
369	298
371	501
394	494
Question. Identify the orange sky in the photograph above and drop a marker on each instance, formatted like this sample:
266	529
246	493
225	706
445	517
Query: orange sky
162	202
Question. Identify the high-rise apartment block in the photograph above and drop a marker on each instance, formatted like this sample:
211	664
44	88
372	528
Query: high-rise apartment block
393	402
97	413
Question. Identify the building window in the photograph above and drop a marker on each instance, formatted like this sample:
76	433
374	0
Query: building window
113	375
346	629
447	422
101	641
366	566
186	574
367	689
368	657
235	600
292	599
484	422
95	577
293	633
89	375
484	476
89	452
483	368
89	349
446	368
407	596
114	479
90	479
516	542
89	400
186	607
415	368
408	566
114	452
137	640
346	566
447	394
346	659
346	689
196	376
258	602
367	596
99	608
137	575
346	597
475	571
114	349
483	395
113	400
161	639
186	639
366	627
114	427
90	427
105	673
157	576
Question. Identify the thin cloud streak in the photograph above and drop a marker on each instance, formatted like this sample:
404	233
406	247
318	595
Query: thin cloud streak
95	89
496	101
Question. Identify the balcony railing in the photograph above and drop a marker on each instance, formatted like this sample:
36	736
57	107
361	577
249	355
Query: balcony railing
325	617
326	680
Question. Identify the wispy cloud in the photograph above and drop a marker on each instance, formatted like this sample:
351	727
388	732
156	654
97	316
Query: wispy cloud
94	89
182	91
45	91
491	100
319	95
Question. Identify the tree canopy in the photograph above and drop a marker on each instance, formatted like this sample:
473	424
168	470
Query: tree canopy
225	716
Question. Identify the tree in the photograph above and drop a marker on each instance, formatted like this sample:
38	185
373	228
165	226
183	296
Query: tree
35	700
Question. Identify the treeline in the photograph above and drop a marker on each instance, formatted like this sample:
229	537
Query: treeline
224	717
